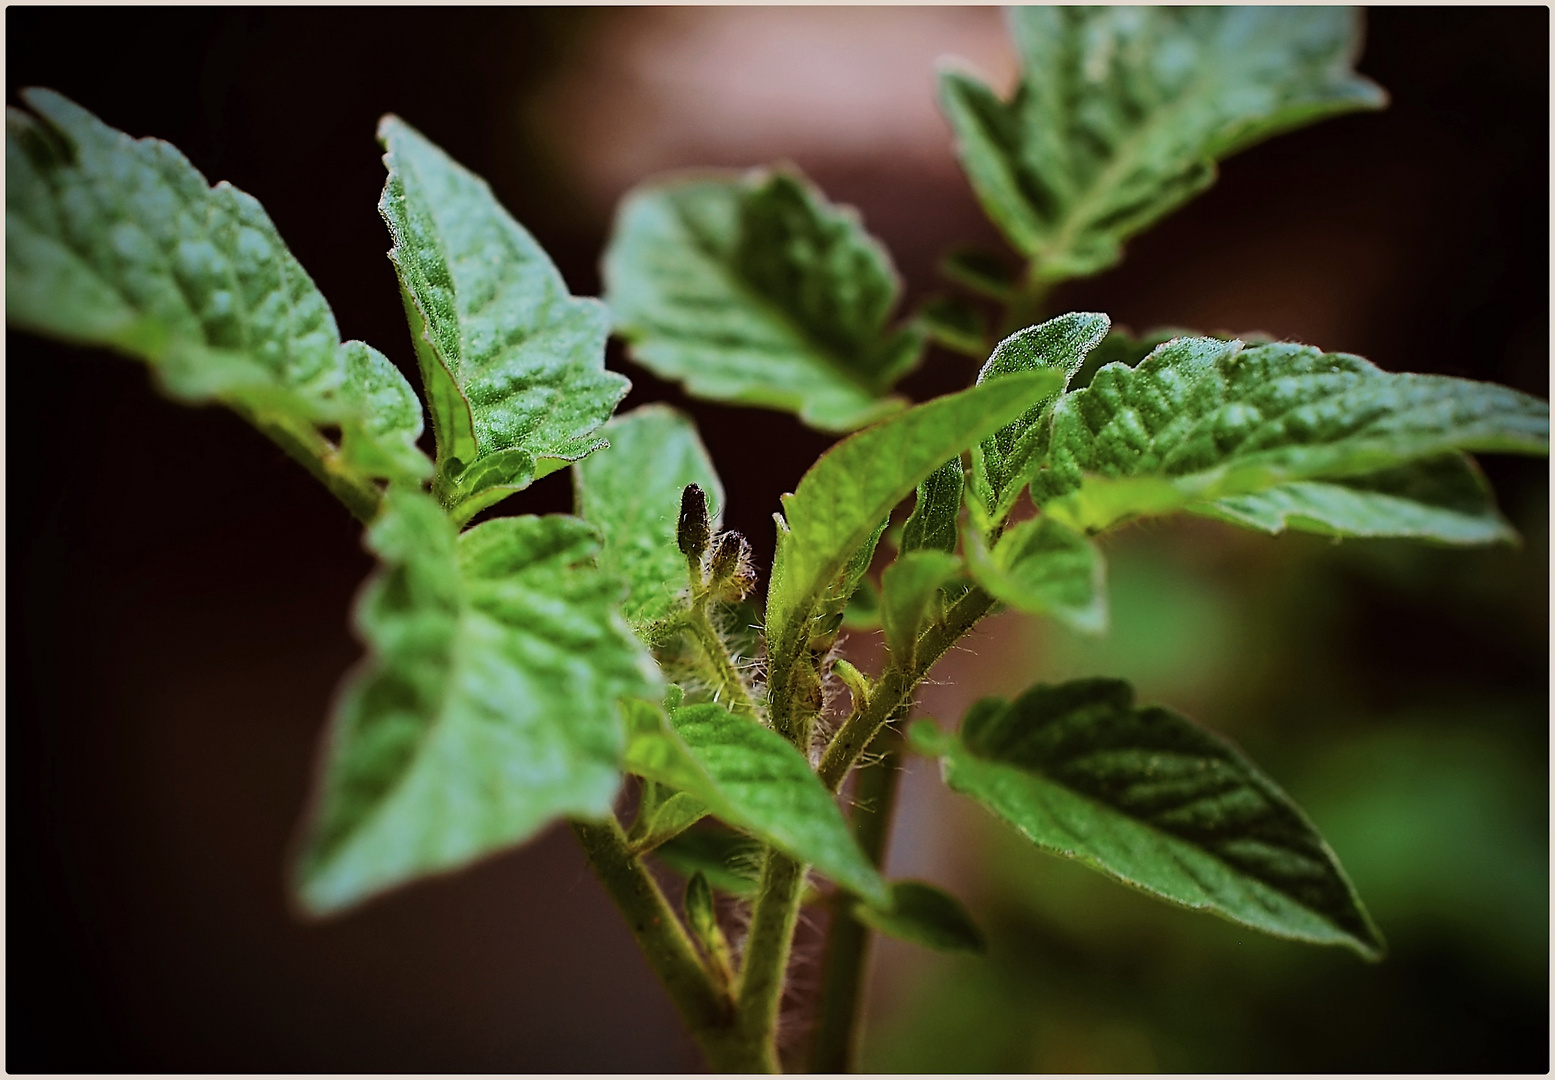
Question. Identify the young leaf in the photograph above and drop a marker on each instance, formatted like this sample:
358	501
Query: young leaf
1443	499
754	289
662	814
1151	799
932	523
1060	345
1043	567
121	242
750	777
730	861
841	501
955	324
1122	112
513	365
908	587
924	915
488	707
632	493
1201	420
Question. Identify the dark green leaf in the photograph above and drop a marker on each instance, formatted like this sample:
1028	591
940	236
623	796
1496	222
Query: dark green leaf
750	777
755	289
841	501
908	588
632	493
1059	345
932	523
731	861
121	242
488	707
981	271
955	324
924	915
1043	567
1151	799
513	365
1200	420
1122	112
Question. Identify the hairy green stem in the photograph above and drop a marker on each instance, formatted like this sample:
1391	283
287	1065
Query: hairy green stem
767	947
708	1013
847	947
894	691
315	453
730	687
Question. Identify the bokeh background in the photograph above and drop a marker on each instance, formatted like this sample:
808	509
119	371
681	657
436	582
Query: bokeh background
178	590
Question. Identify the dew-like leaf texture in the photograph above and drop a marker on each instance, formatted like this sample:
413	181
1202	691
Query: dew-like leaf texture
1201	420
750	777
1121	113
631	492
908	588
1043	567
754	289
121	242
845	495
513	364
1151	799
924	915
487	707
1445	500
1060	345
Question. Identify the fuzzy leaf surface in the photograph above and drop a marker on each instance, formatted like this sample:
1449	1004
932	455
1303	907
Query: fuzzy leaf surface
513	364
909	587
932	523
846	494
487	709
121	242
1201	420
1043	567
1061	345
755	289
631	492
750	777
1122	112
924	915
1151	799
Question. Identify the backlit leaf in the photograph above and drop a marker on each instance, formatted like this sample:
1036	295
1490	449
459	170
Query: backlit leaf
754	289
513	364
1122	112
487	708
1151	799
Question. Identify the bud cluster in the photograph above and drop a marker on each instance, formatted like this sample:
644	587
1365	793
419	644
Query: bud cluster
726	572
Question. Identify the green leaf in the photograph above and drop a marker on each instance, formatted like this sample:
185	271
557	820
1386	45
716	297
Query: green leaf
487	709
730	861
631	492
1043	567
513	365
663	813
752	778
1121	114
924	915
1149	798
932	523
120	242
1445	500
908	587
955	324
841	501
983	272
754	289
1060	345
1200	420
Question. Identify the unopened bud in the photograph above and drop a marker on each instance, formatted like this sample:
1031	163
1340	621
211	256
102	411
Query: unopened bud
729	570
693	530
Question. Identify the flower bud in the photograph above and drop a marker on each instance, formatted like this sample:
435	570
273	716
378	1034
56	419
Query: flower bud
730	573
693	529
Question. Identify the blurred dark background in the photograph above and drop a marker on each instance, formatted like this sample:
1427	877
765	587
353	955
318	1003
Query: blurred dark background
178	590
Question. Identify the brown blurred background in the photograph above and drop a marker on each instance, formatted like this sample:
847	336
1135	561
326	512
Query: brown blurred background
179	591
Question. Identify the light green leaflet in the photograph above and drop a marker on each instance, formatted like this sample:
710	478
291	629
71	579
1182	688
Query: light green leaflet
512	363
1043	567
631	492
1201	420
841	501
488	707
1151	799
121	242
1122	112
755	289
750	777
1000	461
908	588
924	915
